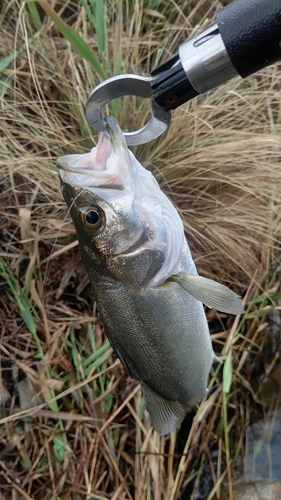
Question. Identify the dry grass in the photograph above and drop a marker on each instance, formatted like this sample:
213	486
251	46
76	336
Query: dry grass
73	424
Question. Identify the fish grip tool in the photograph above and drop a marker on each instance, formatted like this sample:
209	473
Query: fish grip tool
245	38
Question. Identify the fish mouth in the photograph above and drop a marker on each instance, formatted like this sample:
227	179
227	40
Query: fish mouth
103	166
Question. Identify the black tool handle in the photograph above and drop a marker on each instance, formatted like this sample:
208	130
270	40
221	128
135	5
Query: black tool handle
245	38
251	32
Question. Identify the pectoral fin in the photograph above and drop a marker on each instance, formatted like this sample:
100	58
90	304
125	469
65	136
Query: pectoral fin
165	415
211	293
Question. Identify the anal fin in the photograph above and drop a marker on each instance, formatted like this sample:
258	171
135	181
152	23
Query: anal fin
165	415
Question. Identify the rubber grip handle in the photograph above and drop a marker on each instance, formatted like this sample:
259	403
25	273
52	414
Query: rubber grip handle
251	32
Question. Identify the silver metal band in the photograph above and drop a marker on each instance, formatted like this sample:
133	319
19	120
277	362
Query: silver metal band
205	60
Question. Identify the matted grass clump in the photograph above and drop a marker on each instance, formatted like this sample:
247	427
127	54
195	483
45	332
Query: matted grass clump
73	424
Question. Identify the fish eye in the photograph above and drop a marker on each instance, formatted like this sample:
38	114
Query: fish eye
92	217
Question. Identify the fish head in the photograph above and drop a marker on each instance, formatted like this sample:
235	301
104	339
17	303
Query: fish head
117	209
110	228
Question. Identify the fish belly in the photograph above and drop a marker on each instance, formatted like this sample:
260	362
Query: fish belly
161	336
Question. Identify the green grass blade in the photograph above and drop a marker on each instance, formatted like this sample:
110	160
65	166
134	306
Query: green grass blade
34	14
4	63
4	84
108	403
74	38
59	447
18	295
26	314
100	24
99	352
227	373
102	359
97	19
91	17
117	54
91	336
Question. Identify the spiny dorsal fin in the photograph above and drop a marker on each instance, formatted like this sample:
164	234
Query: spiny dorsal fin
211	293
165	415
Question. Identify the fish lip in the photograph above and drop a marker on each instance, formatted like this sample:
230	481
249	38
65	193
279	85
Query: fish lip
87	187
116	135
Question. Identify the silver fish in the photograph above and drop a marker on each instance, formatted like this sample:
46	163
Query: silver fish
144	279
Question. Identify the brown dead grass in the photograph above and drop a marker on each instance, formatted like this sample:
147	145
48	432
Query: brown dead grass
70	429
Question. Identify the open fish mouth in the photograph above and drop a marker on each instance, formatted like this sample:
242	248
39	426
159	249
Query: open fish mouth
99	155
104	166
